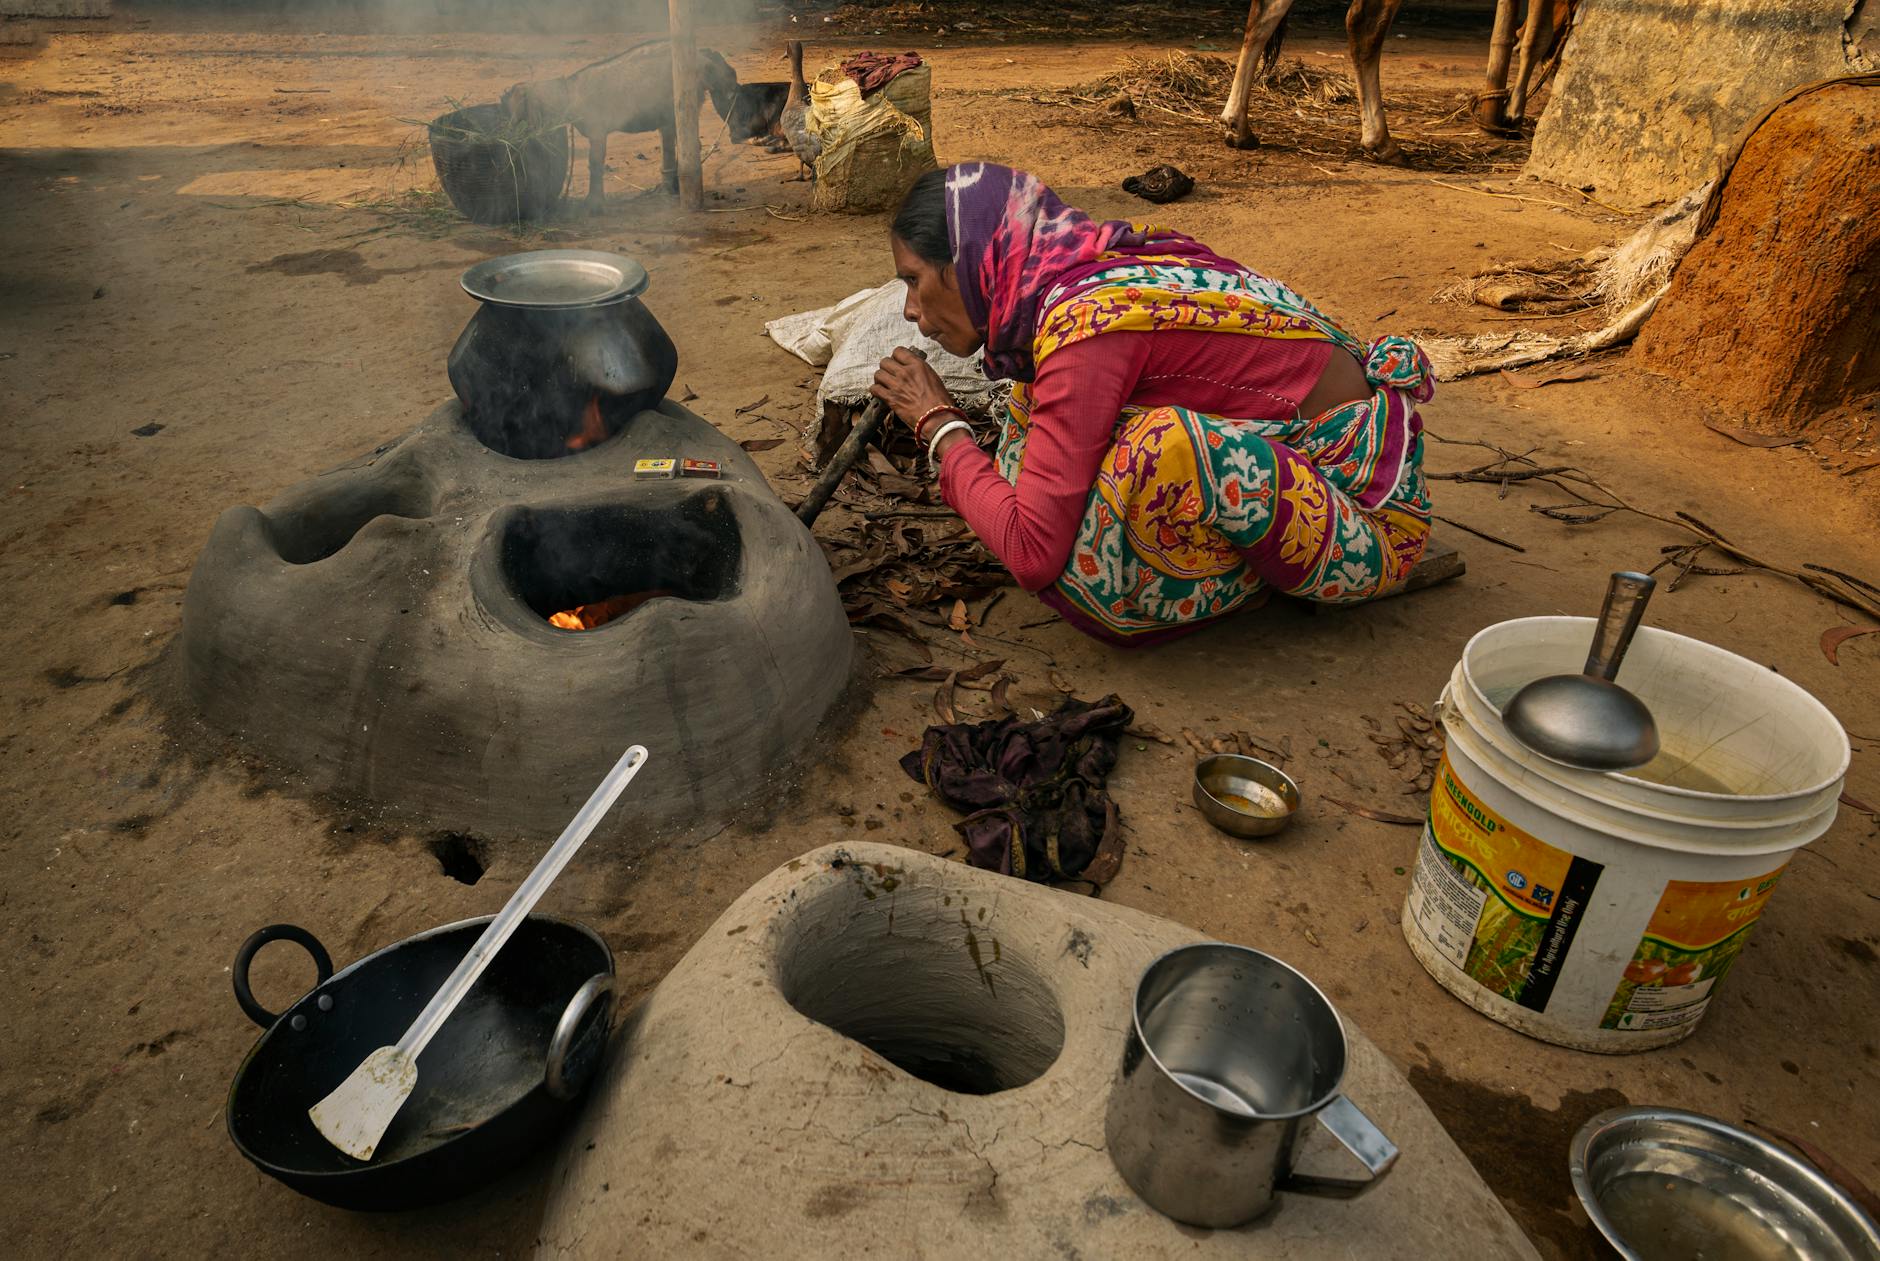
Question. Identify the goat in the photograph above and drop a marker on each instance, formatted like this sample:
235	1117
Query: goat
630	91
758	111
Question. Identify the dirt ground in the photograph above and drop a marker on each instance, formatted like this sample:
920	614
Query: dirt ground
192	244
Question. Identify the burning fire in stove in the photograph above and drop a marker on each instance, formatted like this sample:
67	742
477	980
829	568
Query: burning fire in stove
601	612
593	430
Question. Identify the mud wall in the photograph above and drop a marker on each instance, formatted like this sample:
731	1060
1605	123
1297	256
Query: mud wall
1772	312
1651	92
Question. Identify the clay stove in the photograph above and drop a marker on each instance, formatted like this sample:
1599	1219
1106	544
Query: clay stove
383	631
876	1052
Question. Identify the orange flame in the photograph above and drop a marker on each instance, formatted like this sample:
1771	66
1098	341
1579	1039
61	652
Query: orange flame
593	430
601	612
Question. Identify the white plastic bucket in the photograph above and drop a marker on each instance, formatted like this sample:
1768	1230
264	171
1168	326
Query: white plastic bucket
1600	911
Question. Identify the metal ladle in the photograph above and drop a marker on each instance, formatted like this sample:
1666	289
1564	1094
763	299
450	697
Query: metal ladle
1586	720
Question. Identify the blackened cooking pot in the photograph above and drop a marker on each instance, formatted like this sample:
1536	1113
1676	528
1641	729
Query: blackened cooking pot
501	1075
560	365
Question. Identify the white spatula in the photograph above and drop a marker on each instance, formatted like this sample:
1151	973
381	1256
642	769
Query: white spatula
356	1115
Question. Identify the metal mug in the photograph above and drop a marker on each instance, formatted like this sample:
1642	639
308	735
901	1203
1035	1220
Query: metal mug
1230	1054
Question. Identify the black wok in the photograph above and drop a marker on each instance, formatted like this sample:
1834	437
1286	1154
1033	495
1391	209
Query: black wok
501	1075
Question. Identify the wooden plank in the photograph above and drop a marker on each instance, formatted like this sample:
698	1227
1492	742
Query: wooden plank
685	103
1440	563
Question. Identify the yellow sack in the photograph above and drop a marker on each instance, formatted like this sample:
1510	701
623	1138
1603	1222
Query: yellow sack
872	151
911	92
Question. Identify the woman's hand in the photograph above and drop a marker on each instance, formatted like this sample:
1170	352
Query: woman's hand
908	384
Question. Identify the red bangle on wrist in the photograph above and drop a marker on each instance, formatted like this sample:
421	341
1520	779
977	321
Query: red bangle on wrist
921	424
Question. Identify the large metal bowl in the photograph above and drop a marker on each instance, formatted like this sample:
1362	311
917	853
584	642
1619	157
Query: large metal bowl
1662	1184
503	1073
1244	796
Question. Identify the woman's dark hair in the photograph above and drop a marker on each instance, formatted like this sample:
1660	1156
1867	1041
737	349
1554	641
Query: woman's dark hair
921	222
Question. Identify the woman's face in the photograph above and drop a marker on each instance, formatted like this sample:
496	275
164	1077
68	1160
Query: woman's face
933	301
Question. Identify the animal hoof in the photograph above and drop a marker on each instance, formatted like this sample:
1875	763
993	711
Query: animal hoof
1387	154
1233	141
592	206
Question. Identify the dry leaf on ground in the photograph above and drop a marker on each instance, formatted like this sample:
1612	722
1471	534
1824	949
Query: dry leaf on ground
943	701
1000	704
938	674
1835	636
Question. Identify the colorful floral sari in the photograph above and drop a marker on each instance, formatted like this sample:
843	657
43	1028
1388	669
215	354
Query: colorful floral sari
1192	516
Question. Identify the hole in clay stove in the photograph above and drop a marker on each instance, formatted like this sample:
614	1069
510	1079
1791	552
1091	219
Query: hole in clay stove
925	985
586	566
318	529
460	856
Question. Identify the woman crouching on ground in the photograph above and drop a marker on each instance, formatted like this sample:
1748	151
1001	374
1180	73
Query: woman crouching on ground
1184	435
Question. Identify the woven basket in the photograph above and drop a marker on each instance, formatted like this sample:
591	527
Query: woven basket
492	181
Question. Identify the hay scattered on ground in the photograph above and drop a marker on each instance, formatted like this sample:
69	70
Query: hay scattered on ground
420	212
1300	106
424	213
1558	287
1296	80
1610	279
1174	82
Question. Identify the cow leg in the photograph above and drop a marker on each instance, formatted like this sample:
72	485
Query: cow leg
597	169
1534	38
1263	19
1367	26
1491	107
668	164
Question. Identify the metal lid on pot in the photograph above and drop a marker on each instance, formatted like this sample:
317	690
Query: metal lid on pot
555	280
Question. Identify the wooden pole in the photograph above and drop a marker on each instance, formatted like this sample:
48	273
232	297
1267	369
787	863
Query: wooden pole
1491	107
685	101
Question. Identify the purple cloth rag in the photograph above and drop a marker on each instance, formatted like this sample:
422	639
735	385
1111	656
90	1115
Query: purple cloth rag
1033	791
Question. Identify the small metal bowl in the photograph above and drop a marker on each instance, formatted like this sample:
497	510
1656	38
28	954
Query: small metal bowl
1244	796
1660	1183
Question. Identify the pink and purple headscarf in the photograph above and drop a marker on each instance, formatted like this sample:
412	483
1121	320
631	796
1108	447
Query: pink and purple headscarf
1014	242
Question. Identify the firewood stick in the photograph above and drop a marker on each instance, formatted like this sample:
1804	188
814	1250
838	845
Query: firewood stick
850	451
860	435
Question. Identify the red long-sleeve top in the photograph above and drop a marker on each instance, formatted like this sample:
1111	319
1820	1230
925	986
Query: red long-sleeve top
1080	391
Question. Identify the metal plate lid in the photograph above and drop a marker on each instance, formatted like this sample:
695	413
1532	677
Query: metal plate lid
555	280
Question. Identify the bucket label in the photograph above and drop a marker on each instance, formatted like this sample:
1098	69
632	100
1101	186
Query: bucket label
1498	903
1692	939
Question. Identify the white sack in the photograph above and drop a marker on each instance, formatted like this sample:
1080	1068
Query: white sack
856	334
